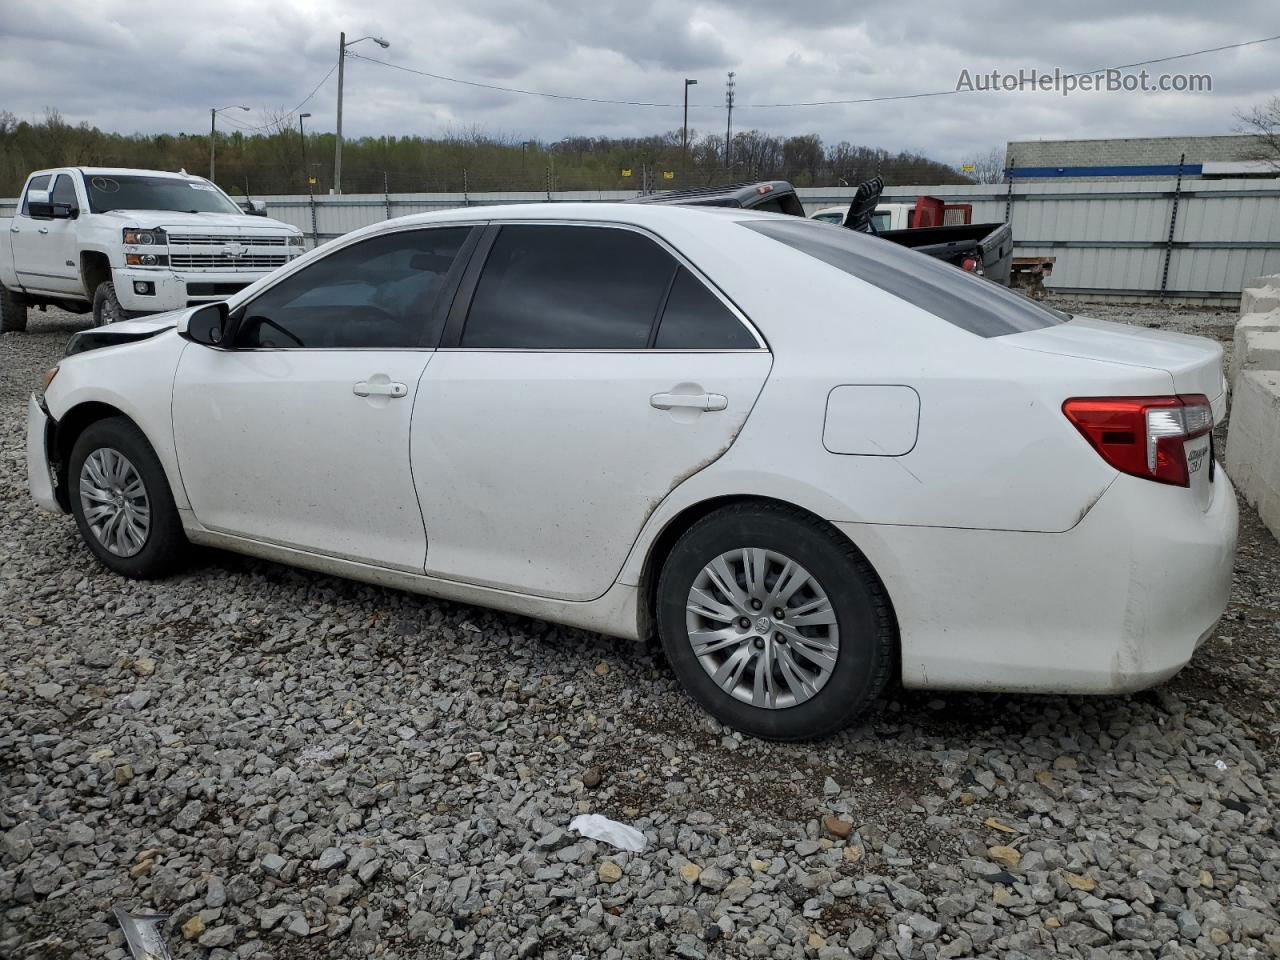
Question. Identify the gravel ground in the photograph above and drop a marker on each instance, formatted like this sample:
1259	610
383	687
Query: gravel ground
297	766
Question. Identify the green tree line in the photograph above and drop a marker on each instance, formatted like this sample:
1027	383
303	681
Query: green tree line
276	160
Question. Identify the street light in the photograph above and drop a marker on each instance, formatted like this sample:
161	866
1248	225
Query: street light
687	84
302	133
213	129
342	56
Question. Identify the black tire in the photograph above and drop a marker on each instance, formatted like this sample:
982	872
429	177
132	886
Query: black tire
13	312
867	631
106	306
165	543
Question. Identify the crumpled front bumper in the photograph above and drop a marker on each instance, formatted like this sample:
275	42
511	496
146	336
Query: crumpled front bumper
41	478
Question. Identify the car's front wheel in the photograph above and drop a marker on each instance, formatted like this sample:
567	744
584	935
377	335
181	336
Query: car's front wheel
774	622
121	501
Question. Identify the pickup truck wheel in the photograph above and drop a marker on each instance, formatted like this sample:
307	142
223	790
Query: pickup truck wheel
106	306
13	312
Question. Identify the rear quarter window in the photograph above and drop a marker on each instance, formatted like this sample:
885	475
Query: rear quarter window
962	299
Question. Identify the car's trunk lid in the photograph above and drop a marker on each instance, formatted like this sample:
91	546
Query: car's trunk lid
1194	363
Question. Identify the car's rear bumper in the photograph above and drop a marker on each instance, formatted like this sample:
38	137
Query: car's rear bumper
40	475
1118	603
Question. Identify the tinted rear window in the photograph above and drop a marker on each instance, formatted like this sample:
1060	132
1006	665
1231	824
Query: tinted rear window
960	298
558	287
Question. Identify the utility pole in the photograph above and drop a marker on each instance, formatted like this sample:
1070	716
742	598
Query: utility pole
306	174
728	123
337	149
684	152
213	130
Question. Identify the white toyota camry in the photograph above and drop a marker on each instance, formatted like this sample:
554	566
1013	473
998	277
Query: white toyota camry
808	460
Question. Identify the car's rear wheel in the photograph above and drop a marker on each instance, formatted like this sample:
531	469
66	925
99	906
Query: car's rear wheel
13	312
106	306
775	622
121	501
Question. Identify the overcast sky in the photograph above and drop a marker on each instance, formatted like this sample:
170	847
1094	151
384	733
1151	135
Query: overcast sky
138	65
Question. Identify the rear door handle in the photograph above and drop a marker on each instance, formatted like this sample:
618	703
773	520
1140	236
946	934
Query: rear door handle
700	401
394	389
14	230
43	230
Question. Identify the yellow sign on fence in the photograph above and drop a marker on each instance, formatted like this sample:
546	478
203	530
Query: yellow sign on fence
968	168
668	174
626	171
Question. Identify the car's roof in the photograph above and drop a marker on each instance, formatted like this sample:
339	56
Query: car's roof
641	215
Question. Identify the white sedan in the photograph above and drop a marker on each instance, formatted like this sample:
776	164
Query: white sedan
809	461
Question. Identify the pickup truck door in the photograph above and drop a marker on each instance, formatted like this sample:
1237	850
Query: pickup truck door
45	250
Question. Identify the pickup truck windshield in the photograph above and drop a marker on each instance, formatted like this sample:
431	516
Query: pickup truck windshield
155	193
958	297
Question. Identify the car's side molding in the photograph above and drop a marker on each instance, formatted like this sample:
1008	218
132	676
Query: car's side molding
613	614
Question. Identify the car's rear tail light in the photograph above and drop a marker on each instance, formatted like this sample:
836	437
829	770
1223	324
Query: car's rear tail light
970	264
1143	436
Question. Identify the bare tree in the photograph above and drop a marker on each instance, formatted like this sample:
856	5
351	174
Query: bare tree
989	168
1262	123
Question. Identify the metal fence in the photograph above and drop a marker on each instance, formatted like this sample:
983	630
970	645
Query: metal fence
1194	241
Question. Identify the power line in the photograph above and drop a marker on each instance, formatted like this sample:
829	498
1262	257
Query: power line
494	86
1079	73
803	103
301	103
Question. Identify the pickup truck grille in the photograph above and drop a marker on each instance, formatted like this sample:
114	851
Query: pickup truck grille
201	240
225	261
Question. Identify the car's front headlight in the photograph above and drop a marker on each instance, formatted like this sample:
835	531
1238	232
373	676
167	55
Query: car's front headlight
296	240
145	236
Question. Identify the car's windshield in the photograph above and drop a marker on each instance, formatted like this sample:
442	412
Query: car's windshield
155	193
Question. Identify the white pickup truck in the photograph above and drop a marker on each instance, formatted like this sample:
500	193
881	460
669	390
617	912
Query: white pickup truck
123	243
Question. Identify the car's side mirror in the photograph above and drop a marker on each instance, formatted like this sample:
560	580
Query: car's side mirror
207	325
255	208
41	206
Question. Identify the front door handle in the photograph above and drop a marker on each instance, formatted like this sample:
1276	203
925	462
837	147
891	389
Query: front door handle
14	230
43	230
699	401
395	390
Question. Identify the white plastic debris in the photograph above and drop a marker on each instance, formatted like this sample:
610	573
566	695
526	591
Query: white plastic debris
1220	764
142	934
610	831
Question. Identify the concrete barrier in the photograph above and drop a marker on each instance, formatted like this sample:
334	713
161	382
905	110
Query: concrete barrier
1253	433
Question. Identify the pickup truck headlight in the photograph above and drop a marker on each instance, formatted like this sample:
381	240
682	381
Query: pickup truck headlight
295	240
151	236
146	259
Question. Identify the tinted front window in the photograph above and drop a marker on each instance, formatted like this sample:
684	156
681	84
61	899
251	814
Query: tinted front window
155	193
568	288
37	183
64	191
695	319
379	293
958	297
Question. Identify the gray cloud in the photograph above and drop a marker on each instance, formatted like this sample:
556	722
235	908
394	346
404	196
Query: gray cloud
156	66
